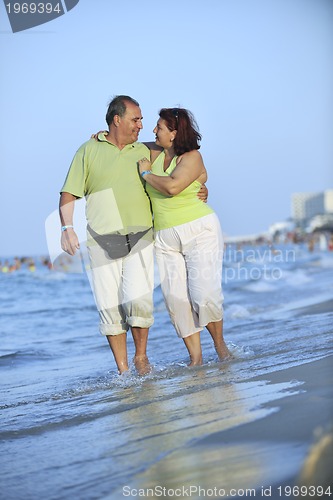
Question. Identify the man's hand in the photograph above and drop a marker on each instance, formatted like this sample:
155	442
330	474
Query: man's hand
69	241
203	193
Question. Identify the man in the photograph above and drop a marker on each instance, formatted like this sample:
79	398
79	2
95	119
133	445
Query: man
119	230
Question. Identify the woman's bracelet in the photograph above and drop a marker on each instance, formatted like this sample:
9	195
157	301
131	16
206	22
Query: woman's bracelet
145	172
64	228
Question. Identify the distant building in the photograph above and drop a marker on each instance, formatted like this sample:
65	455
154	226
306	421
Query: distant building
307	206
328	201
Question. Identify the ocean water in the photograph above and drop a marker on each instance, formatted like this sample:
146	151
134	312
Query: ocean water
71	427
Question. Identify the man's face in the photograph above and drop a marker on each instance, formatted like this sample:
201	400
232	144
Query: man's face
131	123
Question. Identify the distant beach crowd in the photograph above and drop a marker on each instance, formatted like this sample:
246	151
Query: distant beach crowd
318	240
19	263
322	241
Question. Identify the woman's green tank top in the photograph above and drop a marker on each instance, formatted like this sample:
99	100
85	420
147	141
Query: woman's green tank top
169	211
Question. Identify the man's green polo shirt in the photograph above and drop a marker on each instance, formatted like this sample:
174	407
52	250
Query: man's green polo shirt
116	201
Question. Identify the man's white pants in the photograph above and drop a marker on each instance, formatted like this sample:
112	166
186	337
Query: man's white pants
189	257
123	288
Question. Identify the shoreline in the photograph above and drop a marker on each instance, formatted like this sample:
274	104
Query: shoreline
267	456
305	418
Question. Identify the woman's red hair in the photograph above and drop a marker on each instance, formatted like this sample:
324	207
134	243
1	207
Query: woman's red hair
188	136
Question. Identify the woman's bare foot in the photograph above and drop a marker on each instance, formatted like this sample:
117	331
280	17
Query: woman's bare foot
142	365
195	363
193	346
195	360
215	329
223	352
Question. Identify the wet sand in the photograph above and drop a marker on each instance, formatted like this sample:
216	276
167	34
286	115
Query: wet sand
291	445
320	308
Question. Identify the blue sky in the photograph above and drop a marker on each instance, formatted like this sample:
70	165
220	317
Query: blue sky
257	75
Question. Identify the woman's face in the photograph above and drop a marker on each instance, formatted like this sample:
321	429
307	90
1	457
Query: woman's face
163	136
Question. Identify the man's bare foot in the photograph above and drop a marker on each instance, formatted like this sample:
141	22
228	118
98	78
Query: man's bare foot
142	365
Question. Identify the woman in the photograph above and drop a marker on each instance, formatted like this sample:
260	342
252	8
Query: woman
188	238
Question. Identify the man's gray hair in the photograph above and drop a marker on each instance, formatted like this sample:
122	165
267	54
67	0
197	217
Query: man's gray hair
118	107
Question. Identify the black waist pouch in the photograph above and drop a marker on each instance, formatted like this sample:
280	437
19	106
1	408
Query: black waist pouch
117	246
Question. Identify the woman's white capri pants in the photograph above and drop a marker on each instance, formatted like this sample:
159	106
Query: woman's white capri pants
189	257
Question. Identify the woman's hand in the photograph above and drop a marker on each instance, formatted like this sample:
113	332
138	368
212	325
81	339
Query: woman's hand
144	164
